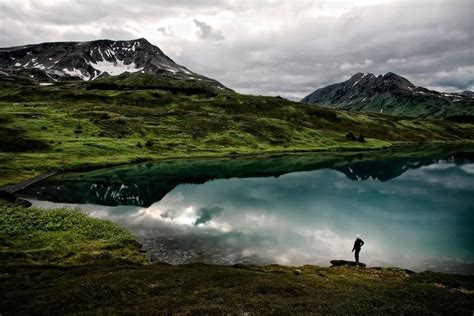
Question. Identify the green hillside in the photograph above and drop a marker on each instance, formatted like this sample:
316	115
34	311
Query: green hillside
414	106
131	118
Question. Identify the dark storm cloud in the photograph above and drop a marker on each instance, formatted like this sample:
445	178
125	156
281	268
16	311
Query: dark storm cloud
271	47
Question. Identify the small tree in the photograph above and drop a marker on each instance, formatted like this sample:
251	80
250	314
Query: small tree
78	129
149	143
105	116
350	136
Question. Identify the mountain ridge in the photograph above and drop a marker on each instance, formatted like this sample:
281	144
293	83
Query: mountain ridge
90	60
391	94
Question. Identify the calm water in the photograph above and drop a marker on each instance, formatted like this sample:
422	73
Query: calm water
416	213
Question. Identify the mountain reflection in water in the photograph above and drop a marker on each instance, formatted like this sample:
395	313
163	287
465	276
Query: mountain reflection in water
145	184
413	211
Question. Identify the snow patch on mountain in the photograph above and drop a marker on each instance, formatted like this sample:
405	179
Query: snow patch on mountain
76	73
115	68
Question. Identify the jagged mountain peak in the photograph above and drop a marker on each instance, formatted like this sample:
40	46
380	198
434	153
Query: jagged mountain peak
397	80
90	60
387	79
359	79
392	75
360	75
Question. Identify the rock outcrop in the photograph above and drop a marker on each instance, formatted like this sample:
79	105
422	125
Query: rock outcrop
342	263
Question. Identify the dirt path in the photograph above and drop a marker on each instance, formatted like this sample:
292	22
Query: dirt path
16	187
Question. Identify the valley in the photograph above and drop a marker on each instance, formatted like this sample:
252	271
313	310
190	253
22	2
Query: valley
161	190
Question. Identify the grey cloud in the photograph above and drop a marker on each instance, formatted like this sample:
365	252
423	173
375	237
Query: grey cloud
205	31
116	33
271	47
355	66
461	78
73	12
166	31
307	55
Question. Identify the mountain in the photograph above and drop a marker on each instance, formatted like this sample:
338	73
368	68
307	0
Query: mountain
62	61
393	94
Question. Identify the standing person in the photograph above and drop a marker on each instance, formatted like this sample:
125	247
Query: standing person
357	245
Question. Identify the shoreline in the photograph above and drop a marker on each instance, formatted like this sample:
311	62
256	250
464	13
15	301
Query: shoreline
401	147
66	262
339	262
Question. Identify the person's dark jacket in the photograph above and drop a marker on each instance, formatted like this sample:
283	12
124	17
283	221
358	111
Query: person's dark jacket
358	244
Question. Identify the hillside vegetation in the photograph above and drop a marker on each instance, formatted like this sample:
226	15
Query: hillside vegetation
131	118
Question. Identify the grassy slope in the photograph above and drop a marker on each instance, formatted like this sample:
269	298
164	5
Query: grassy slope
65	237
112	276
107	122
414	106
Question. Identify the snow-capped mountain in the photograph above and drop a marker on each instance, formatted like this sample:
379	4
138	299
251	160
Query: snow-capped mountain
391	94
58	61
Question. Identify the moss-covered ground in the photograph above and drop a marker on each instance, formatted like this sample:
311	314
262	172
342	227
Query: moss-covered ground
62	237
63	262
135	118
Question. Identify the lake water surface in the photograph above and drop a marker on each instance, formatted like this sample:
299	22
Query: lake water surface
412	212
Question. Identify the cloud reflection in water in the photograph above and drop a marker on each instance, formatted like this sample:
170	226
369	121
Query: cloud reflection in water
420	220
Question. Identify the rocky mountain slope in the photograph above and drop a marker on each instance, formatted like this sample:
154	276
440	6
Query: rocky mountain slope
393	94
61	61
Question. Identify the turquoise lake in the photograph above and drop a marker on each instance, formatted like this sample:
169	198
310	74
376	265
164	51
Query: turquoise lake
411	212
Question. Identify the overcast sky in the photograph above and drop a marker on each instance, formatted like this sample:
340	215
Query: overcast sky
271	47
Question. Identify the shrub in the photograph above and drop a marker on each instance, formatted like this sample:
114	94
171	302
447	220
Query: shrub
361	138
78	129
149	143
105	116
350	136
461	118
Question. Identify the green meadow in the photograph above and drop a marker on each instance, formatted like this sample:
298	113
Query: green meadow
134	118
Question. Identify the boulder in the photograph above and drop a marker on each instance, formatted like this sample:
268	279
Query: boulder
297	272
345	263
13	199
7	196
22	202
